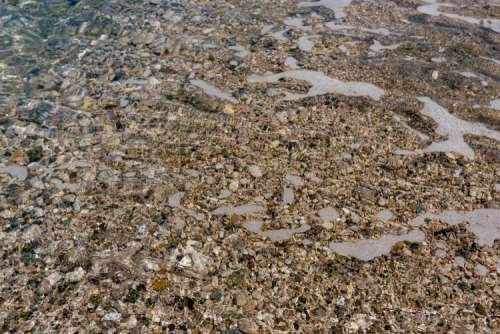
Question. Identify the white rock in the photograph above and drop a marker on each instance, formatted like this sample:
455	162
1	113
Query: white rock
32	234
131	322
288	196
233	186
328	214
76	275
295	180
112	316
50	281
186	262
150	265
255	171
175	200
481	270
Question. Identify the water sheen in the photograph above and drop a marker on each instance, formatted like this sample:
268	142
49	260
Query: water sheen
39	38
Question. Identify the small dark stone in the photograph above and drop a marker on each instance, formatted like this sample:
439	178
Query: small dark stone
236	278
132	296
296	277
216	296
480	309
414	246
189	302
274	282
28	258
420	208
118	77
33	283
35	154
11	226
37	113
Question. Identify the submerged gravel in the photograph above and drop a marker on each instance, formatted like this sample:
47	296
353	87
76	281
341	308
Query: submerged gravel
194	167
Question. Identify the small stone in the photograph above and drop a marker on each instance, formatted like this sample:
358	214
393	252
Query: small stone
159	284
35	154
149	265
481	270
142	229
288	196
313	178
175	200
282	117
7	214
216	296
385	215
19	156
153	81
435	75
234	219
37	112
179	224
241	299
248	326
186	262
328	214
460	261
87	103
295	180
210	180
355	219
440	253
234	185
368	195
420	208
131	322
255	171
32	234
225	194
112	316
50	281
76	275
228	110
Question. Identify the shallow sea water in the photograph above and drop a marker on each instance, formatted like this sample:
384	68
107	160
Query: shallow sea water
42	37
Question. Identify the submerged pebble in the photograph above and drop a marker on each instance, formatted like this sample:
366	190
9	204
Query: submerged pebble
495	104
328	214
385	215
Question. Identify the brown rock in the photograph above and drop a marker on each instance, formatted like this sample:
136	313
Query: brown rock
248	326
